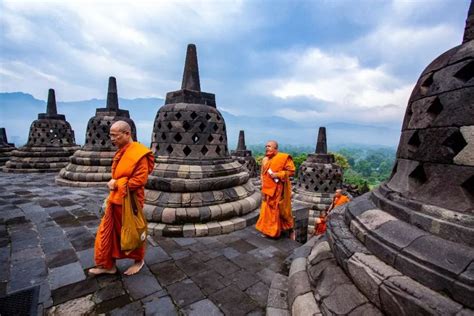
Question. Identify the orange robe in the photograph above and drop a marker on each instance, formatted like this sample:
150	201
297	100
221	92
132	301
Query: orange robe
130	167
275	212
320	228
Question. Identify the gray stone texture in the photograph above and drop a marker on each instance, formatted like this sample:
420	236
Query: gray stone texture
195	180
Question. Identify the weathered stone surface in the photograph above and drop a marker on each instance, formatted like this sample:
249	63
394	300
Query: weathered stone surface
185	292
305	305
403	296
66	274
159	306
203	307
79	306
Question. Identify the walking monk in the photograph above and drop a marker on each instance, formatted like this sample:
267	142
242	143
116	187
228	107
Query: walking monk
275	213
130	168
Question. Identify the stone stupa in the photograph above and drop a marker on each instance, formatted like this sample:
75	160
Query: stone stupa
196	189
244	156
5	147
318	178
407	247
50	143
91	165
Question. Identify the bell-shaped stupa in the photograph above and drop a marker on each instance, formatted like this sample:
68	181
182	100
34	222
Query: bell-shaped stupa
5	147
407	247
318	178
91	165
244	156
50	143
196	189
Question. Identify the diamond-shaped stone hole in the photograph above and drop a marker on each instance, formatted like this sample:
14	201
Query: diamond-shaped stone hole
468	186
186	125
414	140
178	115
202	126
159	125
102	142
221	138
218	150
169	125
418	175
187	150
195	138
178	137
455	142
165	114
215	127
169	149
435	108
210	138
193	115
163	136
204	150
466	72
426	84
208	116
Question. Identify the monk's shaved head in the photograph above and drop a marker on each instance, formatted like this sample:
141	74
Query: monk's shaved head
274	143
120	134
121	126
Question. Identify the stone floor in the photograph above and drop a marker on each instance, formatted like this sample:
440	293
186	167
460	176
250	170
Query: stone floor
47	237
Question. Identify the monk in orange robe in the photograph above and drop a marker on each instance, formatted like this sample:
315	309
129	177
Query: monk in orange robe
337	200
275	213
131	166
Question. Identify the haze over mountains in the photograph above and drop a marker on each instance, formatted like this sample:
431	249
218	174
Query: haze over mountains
18	110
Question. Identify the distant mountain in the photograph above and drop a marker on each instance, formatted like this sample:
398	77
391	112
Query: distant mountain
18	110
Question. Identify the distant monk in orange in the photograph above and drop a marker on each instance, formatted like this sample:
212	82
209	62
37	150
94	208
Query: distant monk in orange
131	166
275	213
337	200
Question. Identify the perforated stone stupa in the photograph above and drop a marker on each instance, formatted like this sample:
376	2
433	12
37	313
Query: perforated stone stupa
196	189
5	147
50	143
244	156
91	165
408	246
318	177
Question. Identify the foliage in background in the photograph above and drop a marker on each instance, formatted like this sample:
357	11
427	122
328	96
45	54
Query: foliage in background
363	166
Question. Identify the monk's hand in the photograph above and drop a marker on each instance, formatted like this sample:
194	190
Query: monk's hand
111	184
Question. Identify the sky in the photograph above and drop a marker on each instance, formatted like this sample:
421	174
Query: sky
325	61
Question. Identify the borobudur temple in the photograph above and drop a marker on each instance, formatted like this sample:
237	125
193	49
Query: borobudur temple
318	178
50	143
196	189
5	147
407	247
91	165
244	156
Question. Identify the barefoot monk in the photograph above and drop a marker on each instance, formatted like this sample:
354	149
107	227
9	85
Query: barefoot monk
275	212
131	165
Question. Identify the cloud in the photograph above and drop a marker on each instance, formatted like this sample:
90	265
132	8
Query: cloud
84	42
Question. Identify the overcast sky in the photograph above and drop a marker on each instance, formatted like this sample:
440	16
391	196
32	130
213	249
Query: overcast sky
326	61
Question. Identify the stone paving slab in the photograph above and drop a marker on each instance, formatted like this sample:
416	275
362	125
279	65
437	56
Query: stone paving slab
46	238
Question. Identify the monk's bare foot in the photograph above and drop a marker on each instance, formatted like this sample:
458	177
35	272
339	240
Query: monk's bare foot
135	268
99	271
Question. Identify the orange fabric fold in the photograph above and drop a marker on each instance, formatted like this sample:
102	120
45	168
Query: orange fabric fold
275	212
130	167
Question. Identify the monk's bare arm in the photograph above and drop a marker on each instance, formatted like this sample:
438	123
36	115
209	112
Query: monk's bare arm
139	176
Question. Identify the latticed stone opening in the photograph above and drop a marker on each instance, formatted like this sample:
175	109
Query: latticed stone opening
455	142
414	141
425	86
466	72
418	176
